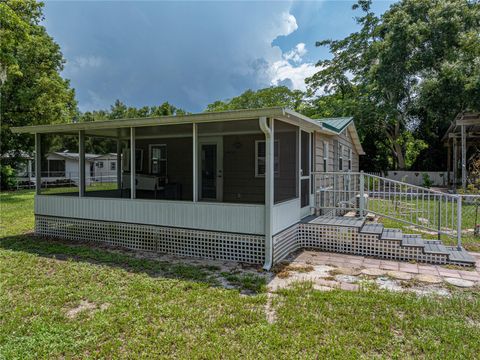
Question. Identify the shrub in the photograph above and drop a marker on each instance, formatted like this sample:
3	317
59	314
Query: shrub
7	177
427	182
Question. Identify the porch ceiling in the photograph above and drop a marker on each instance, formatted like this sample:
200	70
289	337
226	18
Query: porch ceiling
112	128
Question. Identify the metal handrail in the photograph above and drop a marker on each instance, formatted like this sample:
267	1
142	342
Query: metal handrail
420	207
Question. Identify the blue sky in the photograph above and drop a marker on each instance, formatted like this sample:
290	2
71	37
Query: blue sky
191	53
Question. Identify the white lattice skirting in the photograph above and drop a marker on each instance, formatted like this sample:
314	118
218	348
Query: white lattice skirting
347	240
177	241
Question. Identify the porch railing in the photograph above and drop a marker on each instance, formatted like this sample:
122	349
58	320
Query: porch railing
337	193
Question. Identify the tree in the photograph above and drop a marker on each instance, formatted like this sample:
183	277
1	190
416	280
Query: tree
32	90
268	97
404	63
121	111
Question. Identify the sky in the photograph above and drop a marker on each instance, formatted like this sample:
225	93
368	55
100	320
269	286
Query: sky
191	53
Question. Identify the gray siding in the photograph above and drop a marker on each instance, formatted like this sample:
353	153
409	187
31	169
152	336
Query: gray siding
239	181
179	161
344	139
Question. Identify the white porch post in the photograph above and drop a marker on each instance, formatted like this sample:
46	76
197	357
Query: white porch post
455	163
269	187
299	163
81	163
464	158
194	161
119	161
132	164
38	164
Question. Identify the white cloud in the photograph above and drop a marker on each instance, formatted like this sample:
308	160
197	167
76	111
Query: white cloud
283	70
290	24
296	53
288	67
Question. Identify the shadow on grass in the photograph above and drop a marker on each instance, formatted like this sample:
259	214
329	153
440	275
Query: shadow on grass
124	259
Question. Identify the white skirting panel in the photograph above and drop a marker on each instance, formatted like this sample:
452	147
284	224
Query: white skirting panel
237	218
286	214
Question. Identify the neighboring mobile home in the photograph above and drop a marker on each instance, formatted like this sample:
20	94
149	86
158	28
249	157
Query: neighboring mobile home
216	185
64	165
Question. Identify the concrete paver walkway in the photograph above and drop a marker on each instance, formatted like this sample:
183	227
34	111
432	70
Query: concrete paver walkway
348	272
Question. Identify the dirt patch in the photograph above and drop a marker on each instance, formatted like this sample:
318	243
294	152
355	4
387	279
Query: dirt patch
284	270
85	306
269	309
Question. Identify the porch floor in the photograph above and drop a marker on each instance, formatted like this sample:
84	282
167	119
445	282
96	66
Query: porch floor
334	221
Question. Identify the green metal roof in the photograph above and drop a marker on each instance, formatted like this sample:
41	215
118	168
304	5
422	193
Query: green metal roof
335	124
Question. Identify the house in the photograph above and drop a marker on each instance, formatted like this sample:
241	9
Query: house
64	165
22	162
216	185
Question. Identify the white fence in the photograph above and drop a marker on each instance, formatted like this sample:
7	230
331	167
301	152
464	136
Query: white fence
65	178
437	178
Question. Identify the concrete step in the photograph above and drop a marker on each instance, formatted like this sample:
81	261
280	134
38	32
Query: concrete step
392	234
413	240
460	255
435	248
376	229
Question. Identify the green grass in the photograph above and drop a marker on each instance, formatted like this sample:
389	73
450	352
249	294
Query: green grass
94	186
149	308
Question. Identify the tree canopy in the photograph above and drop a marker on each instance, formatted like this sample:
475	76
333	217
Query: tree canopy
120	110
268	97
407	73
32	90
403	76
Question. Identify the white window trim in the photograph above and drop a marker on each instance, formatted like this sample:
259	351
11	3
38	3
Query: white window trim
277	172
114	165
150	158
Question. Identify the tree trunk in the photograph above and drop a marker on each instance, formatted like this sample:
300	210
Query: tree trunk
399	154
397	149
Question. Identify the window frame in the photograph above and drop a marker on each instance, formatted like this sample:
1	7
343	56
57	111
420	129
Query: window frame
276	158
340	157
113	166
349	159
325	155
150	147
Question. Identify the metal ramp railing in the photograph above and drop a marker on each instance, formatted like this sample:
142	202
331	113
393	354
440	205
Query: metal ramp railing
337	193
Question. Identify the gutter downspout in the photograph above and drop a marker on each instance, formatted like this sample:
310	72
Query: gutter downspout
268	131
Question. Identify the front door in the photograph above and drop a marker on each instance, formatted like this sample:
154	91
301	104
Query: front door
211	168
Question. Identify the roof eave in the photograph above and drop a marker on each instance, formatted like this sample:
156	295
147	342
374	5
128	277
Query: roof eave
274	112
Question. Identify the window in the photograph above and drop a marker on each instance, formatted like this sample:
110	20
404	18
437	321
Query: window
100	164
113	166
158	160
340	157
260	158
325	156
349	159
56	168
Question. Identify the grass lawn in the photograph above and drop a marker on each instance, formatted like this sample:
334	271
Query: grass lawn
68	300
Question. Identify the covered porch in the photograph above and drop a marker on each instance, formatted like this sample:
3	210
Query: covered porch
240	172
